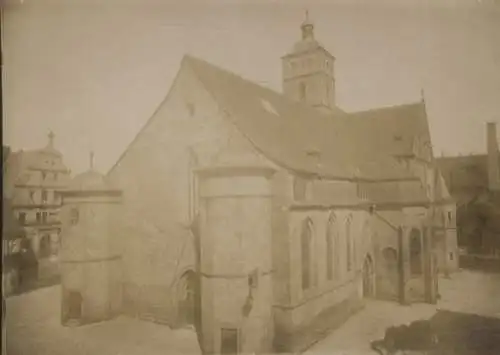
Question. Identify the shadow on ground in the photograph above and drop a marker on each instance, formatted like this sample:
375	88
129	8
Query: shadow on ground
446	332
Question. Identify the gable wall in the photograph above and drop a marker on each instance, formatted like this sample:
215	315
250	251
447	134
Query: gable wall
157	181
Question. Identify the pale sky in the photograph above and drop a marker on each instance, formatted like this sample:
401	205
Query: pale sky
95	73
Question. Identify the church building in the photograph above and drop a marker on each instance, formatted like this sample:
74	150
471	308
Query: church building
263	218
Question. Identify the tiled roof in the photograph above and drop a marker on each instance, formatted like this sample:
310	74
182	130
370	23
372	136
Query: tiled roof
383	192
304	140
16	170
389	130
40	159
442	191
460	172
89	180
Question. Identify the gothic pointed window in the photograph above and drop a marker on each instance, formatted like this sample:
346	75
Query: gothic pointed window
330	247
348	239
306	241
415	252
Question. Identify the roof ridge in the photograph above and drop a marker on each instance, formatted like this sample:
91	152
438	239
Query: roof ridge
388	107
191	58
474	155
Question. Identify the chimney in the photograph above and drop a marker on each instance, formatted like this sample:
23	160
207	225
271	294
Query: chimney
492	150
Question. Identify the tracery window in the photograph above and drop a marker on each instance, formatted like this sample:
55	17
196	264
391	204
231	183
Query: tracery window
348	244
306	242
331	247
415	252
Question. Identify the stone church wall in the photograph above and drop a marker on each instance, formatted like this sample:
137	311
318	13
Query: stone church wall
156	175
327	301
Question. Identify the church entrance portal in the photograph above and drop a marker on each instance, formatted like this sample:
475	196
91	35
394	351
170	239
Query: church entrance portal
186	298
368	275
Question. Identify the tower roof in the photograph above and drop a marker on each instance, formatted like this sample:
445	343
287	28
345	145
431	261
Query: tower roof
90	180
307	43
49	149
307	22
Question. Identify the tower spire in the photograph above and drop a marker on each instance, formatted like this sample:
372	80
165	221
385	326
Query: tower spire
51	136
91	160
307	28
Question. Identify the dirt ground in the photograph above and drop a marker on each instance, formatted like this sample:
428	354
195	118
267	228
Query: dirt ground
33	324
465	291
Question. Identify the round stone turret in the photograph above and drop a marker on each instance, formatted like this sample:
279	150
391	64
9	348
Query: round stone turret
89	256
236	264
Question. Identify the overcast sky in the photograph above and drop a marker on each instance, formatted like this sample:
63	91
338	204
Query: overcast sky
94	74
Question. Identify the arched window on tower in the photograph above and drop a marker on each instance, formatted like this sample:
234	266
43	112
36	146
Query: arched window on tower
306	242
303	93
348	239
331	247
415	252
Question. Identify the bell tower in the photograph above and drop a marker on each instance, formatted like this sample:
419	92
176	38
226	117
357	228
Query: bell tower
307	71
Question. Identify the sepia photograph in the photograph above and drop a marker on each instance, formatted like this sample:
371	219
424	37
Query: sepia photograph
204	177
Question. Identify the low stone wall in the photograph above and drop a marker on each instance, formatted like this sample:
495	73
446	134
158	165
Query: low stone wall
48	268
301	338
480	263
149	302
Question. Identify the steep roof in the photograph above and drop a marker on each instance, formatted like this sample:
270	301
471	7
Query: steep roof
390	130
89	180
40	159
442	191
300	138
408	192
464	172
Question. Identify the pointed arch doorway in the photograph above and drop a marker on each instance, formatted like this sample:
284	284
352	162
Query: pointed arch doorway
186	298
368	275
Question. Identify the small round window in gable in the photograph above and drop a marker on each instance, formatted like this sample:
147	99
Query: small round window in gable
269	107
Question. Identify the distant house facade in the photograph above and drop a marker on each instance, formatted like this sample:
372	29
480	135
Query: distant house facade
260	216
32	181
474	182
